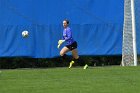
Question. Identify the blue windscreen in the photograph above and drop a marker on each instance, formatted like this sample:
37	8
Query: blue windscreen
97	26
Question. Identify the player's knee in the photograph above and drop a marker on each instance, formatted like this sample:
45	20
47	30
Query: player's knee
61	53
76	57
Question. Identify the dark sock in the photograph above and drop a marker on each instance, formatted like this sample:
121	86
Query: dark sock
64	56
65	59
79	61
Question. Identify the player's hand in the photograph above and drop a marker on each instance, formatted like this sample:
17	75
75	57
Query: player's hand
60	42
58	46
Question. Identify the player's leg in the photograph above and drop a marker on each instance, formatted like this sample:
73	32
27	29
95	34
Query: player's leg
72	47
63	52
76	58
75	54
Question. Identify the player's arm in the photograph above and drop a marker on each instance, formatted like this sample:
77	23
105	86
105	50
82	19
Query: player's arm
69	35
60	42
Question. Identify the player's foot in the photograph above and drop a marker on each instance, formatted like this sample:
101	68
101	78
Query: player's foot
85	67
71	63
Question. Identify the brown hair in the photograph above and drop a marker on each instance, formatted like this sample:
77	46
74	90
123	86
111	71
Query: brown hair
66	21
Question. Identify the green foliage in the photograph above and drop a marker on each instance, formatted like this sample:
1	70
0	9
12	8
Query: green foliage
20	62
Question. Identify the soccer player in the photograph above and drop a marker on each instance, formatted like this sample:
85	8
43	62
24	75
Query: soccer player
71	44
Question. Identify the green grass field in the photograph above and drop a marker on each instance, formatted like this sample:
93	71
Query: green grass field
75	80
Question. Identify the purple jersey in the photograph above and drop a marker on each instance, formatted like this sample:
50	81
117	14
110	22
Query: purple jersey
67	36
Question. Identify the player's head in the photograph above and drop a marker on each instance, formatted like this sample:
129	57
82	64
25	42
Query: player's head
65	23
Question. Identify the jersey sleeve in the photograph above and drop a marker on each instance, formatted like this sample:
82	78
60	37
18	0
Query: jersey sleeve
69	35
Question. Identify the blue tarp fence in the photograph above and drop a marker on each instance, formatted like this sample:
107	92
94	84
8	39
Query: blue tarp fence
97	26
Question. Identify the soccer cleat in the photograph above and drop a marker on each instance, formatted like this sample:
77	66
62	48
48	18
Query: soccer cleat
85	67
71	63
